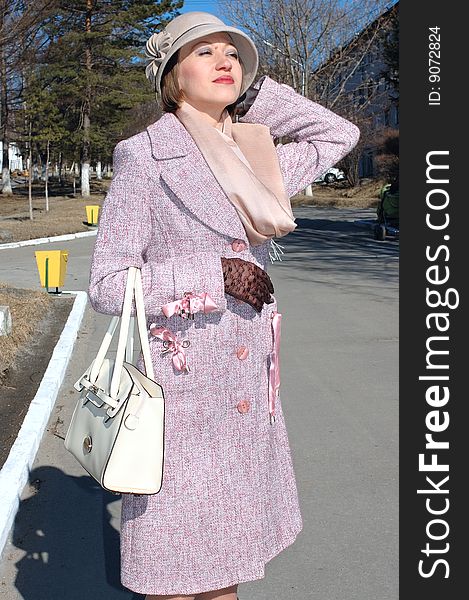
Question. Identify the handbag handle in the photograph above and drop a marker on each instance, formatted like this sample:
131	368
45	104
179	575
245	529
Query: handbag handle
132	288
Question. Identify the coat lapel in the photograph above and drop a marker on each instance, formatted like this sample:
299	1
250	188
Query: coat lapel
185	172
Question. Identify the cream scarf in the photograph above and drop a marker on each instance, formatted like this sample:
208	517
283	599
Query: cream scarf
259	195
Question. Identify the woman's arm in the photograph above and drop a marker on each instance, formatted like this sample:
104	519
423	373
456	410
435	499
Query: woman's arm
126	228
320	137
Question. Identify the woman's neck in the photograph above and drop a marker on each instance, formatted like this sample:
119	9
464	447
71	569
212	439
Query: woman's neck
212	116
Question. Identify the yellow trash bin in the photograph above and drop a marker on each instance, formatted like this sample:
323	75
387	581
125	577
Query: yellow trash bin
52	267
92	213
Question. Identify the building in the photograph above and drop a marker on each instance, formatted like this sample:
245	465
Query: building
14	156
357	81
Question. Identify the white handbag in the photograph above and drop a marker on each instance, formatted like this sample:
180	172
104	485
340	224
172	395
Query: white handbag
117	428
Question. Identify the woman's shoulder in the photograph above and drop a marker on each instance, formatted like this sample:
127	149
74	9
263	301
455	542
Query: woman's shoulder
138	143
153	141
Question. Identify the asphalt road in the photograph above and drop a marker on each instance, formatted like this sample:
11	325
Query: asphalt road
337	289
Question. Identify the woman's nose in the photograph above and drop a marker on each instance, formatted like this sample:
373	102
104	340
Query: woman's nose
223	62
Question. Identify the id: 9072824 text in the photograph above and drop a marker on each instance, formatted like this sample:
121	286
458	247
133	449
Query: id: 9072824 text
434	66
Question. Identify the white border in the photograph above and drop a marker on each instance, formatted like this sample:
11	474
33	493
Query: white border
14	473
57	238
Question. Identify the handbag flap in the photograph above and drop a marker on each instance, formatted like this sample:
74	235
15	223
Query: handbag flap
153	389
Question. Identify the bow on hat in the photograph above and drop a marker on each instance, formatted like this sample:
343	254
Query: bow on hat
156	48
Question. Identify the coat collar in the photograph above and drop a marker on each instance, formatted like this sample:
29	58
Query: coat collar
184	170
168	138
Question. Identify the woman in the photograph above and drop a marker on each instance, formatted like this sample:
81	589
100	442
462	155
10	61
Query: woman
195	202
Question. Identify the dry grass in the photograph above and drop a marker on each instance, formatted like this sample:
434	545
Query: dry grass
26	307
66	214
340	196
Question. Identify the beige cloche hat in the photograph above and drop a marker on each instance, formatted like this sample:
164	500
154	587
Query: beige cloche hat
190	27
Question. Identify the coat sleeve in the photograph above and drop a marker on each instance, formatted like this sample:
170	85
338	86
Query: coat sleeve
320	137
126	227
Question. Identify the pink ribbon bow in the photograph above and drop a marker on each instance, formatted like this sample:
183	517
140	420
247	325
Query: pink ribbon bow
173	345
274	371
188	305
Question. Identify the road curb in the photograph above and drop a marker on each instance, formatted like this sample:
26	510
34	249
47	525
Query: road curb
46	240
14	473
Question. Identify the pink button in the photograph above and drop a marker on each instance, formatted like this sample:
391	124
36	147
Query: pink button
242	352
238	245
243	406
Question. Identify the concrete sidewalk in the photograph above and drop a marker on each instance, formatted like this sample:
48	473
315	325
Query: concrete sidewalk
338	292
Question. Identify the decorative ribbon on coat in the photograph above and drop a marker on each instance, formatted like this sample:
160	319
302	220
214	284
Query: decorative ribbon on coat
274	371
172	345
188	305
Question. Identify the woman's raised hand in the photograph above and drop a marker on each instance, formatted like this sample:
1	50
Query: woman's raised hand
246	281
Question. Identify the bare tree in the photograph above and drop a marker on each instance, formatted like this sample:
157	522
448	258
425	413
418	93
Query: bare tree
20	24
355	83
295	37
321	49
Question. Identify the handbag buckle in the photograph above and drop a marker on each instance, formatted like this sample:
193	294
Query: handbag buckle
92	396
113	410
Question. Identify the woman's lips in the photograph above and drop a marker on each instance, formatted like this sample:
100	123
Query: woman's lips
224	80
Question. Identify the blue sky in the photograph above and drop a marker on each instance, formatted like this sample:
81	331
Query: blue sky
210	6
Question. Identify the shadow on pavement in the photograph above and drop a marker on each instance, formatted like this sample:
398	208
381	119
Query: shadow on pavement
72	549
338	245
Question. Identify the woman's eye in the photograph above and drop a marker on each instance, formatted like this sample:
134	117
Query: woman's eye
207	51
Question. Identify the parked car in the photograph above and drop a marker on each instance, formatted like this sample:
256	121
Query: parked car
330	176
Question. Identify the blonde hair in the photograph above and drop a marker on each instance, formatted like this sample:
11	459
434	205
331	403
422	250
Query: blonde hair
171	93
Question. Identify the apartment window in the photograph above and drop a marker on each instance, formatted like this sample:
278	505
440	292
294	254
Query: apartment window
366	165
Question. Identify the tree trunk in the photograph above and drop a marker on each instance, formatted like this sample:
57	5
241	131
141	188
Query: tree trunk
61	166
46	191
85	168
30	173
6	182
40	164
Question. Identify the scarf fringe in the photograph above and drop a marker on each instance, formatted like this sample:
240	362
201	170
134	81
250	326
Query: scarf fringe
276	251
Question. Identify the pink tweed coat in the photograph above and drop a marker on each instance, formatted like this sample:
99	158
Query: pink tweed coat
228	502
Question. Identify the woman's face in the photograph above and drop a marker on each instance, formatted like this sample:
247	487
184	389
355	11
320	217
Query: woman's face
209	73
